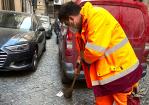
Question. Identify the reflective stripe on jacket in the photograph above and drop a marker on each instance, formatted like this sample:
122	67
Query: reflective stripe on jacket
107	48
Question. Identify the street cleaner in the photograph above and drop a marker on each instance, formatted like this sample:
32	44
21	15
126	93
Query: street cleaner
114	68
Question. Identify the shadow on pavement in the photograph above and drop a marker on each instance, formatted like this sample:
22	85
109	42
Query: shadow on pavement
78	85
15	73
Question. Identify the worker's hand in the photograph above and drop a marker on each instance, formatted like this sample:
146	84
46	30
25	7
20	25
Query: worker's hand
76	71
77	68
82	57
78	60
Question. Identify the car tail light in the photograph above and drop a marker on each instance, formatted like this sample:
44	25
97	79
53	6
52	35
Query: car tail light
68	51
69	45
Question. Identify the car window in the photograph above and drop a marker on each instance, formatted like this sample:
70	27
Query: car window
7	20
26	24
44	21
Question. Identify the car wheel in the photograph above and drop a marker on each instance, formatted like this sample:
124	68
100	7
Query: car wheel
34	61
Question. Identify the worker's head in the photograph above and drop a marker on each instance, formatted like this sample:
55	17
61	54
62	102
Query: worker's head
69	14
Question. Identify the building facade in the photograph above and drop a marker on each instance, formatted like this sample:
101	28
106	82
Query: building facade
16	5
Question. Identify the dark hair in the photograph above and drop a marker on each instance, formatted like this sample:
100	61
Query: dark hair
68	9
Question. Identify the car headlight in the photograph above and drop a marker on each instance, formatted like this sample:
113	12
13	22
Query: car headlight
16	48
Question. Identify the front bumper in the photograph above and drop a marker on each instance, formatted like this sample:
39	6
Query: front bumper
16	61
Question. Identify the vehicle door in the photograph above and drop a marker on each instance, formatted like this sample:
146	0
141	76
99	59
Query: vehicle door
40	35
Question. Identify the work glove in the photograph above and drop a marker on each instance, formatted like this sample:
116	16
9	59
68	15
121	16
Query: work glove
78	67
77	72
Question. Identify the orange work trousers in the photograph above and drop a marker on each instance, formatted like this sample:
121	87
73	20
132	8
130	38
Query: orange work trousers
117	98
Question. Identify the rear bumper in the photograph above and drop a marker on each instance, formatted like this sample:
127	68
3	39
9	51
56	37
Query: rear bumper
69	71
144	66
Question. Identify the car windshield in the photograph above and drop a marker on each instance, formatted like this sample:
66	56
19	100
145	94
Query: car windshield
45	24
15	21
45	21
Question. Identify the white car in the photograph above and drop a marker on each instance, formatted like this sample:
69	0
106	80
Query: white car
46	23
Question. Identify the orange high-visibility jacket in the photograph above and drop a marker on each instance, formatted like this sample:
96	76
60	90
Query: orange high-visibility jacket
107	48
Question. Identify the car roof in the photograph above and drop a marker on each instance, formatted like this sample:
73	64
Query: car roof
117	1
131	3
41	17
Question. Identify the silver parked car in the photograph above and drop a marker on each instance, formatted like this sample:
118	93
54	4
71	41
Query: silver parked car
46	23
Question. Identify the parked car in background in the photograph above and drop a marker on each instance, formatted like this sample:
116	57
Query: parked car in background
46	23
22	41
125	11
57	29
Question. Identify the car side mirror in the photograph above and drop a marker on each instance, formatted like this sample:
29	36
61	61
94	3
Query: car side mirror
41	29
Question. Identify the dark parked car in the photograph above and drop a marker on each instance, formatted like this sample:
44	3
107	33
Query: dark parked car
22	41
46	23
125	11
